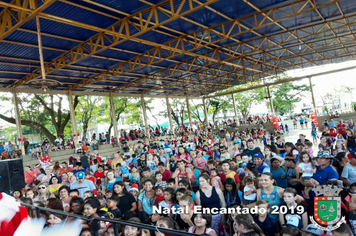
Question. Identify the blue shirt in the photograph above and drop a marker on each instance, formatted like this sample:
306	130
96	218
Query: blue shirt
1	148
216	154
125	171
322	176
264	168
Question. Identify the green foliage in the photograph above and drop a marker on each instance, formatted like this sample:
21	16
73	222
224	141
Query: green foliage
245	100
284	96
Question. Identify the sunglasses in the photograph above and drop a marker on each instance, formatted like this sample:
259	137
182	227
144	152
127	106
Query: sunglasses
42	187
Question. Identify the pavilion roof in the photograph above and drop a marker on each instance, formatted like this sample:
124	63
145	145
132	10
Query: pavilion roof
170	47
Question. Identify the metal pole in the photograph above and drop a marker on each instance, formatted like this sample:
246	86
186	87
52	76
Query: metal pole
235	110
188	110
72	117
113	117
43	71
169	114
270	100
205	113
312	93
18	122
144	115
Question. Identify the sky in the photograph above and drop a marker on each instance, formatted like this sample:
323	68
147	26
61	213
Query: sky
322	85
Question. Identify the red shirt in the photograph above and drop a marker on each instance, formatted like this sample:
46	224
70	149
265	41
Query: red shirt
166	175
232	175
29	177
98	175
341	129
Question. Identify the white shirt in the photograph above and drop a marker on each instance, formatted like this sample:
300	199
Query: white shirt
250	197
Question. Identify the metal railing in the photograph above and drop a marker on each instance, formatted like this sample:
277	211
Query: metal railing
95	222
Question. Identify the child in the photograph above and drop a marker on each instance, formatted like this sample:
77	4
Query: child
211	165
202	224
236	150
314	135
171	183
159	194
103	203
309	148
340	147
172	163
264	221
88	194
231	193
150	162
216	153
339	138
126	181
307	168
30	194
160	182
108	194
134	190
91	208
124	169
113	211
169	198
296	215
249	190
215	179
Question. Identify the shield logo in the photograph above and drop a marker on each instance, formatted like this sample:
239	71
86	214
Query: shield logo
327	210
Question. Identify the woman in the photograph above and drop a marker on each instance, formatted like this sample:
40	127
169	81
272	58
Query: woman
323	145
54	185
279	173
270	152
65	198
350	140
273	194
65	181
341	161
29	175
210	197
43	193
134	175
56	168
245	225
48	175
110	180
127	201
147	197
200	162
183	154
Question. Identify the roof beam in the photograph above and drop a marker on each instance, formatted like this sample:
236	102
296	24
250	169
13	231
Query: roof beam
118	33
182	45
20	12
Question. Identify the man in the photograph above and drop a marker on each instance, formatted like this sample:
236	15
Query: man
261	166
348	175
227	173
225	155
183	173
83	185
233	164
78	168
59	142
332	123
341	129
84	159
166	174
94	144
147	174
324	171
26	144
251	149
65	168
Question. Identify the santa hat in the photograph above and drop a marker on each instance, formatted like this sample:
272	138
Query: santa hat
37	165
134	187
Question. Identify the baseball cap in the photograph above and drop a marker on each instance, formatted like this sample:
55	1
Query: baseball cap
323	154
257	155
80	175
312	229
351	155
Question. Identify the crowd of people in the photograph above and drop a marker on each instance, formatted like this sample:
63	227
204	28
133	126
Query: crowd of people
208	169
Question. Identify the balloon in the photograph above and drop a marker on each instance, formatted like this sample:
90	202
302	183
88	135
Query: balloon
24	139
78	134
74	135
19	139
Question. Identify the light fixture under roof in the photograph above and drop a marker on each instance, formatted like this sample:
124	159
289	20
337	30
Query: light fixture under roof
42	82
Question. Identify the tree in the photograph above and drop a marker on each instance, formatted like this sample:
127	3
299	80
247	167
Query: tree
42	113
245	100
178	113
89	110
196	110
286	95
217	104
